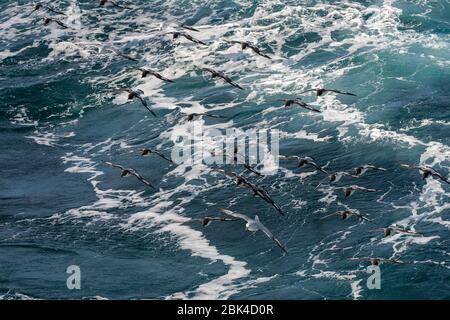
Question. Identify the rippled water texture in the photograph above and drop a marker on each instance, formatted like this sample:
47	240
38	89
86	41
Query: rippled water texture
61	115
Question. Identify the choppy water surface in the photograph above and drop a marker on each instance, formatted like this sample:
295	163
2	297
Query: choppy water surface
61	115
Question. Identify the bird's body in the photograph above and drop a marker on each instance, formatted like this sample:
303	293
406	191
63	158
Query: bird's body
299	102
218	74
320	91
254	225
247	45
129	171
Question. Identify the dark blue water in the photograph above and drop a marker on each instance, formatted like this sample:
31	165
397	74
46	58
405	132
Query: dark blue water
61	115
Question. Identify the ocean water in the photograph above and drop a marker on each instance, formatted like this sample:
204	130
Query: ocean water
61	115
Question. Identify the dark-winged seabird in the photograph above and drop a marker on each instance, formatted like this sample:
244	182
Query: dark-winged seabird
348	213
129	171
132	94
115	4
321	91
123	55
245	45
377	261
48	20
146	72
335	177
389	231
426	172
254	225
348	191
360	170
40	6
304	161
299	102
177	34
195	116
257	191
217	74
147	151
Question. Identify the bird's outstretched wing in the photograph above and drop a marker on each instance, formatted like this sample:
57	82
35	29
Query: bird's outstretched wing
269	234
249	168
308	107
118	166
317	167
115	4
341	92
182	25
235	214
258	51
145	104
289	158
119	53
191	38
140	178
161	155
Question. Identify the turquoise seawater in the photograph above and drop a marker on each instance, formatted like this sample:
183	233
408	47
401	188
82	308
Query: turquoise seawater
62	114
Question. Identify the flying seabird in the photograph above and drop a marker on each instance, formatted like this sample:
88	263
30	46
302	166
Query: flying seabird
389	231
146	72
299	102
177	34
195	116
377	261
121	54
426	172
348	213
360	170
40	6
218	74
257	191
48	20
206	221
245	45
115	4
321	91
335	177
303	161
351	189
129	171
147	151
254	225
132	94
